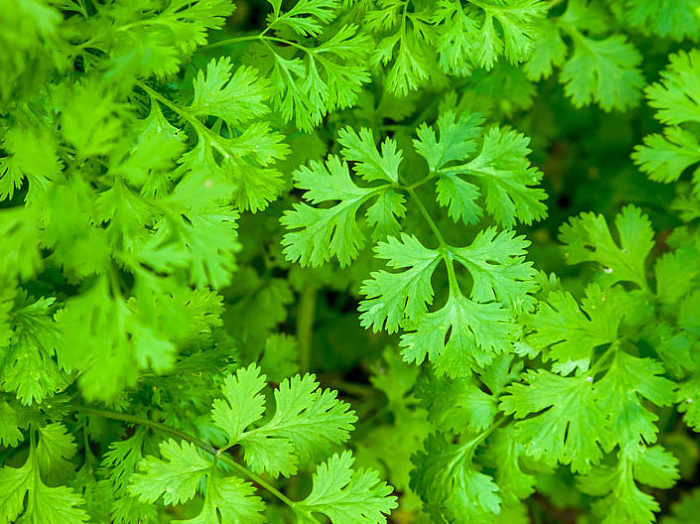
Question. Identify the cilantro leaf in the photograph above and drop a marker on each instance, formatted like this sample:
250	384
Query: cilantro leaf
176	477
347	496
675	20
229	499
665	157
623	500
567	425
370	164
325	232
306	422
456	140
627	381
29	367
572	332
507	177
43	503
452	489
674	97
603	71
244	403
498	268
459	337
454	405
391	299
587	239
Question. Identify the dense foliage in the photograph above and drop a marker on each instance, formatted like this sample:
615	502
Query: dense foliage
349	261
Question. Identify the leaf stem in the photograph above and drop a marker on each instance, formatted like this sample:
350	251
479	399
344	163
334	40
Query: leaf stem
204	446
428	218
603	358
444	246
173	432
229	41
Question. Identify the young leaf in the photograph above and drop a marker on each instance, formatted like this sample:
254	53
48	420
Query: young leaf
587	239
571	332
567	425
347	496
321	233
307	420
394	298
229	499
451	487
176	477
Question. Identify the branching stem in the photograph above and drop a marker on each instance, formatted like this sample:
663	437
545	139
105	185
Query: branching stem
204	446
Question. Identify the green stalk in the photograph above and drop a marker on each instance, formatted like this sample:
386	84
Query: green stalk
204	446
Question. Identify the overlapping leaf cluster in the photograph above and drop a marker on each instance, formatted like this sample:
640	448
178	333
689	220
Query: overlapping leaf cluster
201	201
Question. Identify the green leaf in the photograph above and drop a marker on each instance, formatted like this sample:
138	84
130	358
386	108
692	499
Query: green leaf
518	21
675	98
456	140
506	454
405	41
571	332
567	425
391	299
322	233
248	147
603	71
688	398
676	20
498	268
176	477
549	51
54	451
229	499
10	434
665	157
452	489
244	403
623	501
456	405
234	97
20	233
306	18
587	238
505	173
460	337
307	418
347	496
620	393
28	365
44	504
370	164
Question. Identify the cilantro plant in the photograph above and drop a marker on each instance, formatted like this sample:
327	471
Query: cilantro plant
349	261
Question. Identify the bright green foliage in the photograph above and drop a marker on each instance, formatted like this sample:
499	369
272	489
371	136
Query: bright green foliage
677	20
306	422
346	496
588	239
24	491
175	479
499	169
572	332
572	427
456	491
623	500
601	68
665	157
231	233
460	36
